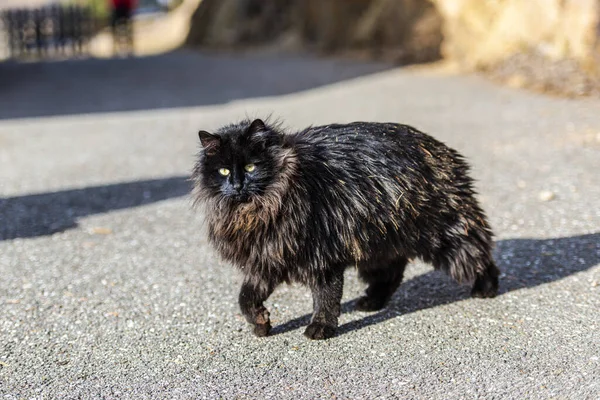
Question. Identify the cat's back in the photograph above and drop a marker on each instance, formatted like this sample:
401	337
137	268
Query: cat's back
368	155
357	133
363	141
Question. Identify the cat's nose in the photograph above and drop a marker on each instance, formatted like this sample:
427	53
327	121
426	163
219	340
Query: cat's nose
237	186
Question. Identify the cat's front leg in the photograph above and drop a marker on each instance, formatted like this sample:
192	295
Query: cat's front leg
252	295
327	296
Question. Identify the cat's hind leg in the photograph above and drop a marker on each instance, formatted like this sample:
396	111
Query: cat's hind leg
327	296
468	258
383	280
486	284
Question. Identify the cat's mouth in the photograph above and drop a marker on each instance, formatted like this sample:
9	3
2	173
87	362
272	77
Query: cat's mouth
241	198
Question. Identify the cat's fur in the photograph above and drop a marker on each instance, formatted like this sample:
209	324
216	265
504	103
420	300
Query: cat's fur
371	195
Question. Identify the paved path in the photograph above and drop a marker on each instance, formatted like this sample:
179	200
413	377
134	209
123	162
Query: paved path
108	289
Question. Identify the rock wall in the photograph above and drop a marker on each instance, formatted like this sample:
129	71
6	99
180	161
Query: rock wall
480	33
476	33
406	30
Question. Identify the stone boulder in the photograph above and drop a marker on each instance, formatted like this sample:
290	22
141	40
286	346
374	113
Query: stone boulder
406	30
481	33
478	34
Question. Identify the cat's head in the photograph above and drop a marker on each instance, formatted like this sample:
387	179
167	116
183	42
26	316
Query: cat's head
238	162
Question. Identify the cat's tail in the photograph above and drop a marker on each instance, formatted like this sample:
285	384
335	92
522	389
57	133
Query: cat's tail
466	255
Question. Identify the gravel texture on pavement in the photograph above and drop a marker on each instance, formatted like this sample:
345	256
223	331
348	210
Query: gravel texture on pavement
109	290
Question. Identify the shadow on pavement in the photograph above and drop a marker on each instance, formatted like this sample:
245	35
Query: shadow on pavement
47	213
524	263
178	79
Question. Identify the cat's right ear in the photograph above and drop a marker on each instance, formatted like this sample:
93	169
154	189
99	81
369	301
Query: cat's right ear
210	142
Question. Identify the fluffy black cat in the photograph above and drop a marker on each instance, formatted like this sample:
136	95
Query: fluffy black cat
303	206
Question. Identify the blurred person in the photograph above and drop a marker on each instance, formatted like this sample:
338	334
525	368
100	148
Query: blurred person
84	33
122	11
38	23
81	30
55	16
69	27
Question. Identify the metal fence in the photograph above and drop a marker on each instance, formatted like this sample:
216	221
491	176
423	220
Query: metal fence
46	32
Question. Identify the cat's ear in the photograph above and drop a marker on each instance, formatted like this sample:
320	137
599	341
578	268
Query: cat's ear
260	134
210	142
256	126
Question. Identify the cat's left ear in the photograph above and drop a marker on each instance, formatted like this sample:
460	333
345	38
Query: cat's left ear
260	134
210	142
256	126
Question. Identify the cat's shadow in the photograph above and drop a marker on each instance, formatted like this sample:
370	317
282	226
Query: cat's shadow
524	263
42	214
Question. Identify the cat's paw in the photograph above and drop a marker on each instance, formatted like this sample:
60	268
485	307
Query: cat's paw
261	323
318	331
485	287
262	330
366	303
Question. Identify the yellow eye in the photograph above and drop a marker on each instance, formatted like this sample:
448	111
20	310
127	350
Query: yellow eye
224	171
250	167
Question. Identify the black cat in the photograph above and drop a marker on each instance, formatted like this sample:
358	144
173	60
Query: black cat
303	206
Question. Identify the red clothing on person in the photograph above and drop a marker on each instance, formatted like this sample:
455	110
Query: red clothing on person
124	3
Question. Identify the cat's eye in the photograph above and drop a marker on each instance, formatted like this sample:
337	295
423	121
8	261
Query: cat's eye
250	167
224	171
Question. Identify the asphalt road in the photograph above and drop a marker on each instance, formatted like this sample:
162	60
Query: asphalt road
109	290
